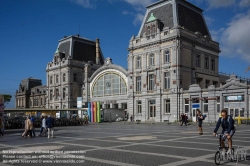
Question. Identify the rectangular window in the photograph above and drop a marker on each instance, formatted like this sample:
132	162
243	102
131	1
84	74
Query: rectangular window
218	107
215	83
51	94
205	106
56	78
186	106
64	93
151	60
198	59
57	93
167	106
41	101
166	80
151	82
138	84
139	107
206	62
75	77
167	57
64	77
212	64
51	79
138	65
207	83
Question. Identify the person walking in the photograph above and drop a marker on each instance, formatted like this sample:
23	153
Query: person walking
183	119
1	126
43	128
32	119
199	120
49	125
131	119
28	128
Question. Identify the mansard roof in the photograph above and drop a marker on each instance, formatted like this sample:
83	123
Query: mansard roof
79	48
173	13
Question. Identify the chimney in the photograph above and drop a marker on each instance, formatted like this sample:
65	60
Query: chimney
97	51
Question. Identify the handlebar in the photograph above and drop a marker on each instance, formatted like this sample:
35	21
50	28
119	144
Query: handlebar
216	134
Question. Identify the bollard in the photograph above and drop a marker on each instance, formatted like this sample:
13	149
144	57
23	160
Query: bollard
239	120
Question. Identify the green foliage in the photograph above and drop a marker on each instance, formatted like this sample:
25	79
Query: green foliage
7	98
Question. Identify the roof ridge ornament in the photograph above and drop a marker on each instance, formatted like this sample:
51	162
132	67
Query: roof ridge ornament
152	17
57	50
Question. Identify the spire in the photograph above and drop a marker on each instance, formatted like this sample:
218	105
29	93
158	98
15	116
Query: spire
152	17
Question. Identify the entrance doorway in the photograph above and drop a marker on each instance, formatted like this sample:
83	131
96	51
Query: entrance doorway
194	114
235	112
151	109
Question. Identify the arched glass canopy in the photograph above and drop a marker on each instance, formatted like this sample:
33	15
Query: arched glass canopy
109	84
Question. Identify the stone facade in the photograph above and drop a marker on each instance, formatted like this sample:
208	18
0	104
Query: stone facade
24	92
172	69
65	74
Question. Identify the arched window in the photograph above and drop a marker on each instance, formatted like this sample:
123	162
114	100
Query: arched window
138	63
109	84
151	59
167	56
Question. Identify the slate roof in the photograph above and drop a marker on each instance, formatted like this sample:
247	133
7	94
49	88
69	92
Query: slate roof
188	15
82	49
191	20
164	14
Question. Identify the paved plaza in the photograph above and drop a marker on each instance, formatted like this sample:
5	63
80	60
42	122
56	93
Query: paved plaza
124	145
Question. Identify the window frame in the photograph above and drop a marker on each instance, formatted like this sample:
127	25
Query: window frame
198	60
167	105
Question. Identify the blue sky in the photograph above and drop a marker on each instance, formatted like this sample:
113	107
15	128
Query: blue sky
30	30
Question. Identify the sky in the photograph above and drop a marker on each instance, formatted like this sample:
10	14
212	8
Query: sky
30	30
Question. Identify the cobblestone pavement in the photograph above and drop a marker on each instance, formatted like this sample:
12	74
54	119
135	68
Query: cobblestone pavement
120	144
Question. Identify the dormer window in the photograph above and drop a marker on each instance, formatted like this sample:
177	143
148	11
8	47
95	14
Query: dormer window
153	30
148	31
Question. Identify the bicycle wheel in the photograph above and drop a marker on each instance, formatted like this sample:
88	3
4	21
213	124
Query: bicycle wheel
232	154
217	158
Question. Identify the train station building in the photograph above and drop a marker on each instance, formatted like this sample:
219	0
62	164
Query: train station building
172	69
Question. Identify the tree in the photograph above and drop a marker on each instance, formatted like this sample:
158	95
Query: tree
7	98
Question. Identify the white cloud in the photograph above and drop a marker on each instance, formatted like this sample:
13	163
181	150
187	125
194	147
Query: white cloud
125	12
138	19
140	2
235	39
209	20
220	3
139	6
244	3
84	3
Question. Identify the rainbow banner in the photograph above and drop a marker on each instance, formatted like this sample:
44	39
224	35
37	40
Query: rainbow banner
92	112
95	112
98	112
89	111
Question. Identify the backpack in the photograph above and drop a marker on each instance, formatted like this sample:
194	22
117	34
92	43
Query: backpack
228	117
204	117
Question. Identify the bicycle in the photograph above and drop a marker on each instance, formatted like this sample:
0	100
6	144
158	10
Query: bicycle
219	156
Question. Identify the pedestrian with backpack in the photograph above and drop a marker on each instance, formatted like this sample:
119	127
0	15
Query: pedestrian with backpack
227	123
199	119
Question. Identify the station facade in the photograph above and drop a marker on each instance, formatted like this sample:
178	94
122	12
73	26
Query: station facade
172	69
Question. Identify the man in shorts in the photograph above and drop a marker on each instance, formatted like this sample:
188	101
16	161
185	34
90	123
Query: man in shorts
228	129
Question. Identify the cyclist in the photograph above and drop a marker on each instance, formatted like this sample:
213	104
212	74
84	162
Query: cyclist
228	129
